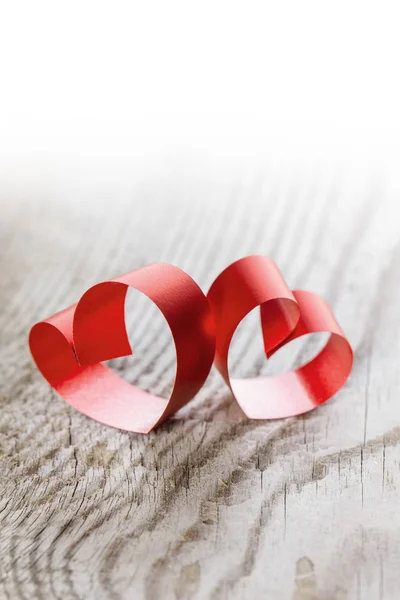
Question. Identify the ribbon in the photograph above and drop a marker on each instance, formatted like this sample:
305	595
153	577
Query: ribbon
69	347
256	281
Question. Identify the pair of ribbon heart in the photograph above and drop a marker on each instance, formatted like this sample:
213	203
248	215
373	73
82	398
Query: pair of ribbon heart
69	347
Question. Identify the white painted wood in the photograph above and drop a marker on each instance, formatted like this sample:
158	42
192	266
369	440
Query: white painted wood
211	505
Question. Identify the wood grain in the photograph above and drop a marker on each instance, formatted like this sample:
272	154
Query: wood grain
211	505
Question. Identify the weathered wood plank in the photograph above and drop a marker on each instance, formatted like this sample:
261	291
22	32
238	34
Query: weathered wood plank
211	505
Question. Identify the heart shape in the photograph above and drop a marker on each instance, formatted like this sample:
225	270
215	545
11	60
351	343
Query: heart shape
256	281
69	347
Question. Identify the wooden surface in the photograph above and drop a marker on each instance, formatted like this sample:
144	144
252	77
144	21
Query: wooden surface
211	505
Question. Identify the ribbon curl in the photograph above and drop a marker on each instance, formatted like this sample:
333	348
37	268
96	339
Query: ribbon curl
69	347
256	281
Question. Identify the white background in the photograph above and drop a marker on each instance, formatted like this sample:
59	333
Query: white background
110	90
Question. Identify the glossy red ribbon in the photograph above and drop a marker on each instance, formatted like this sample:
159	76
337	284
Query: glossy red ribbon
69	347
256	281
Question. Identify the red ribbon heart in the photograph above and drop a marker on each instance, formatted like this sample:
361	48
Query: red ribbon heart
70	346
256	281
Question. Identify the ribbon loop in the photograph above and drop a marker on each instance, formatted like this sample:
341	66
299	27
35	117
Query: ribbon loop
69	347
256	281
